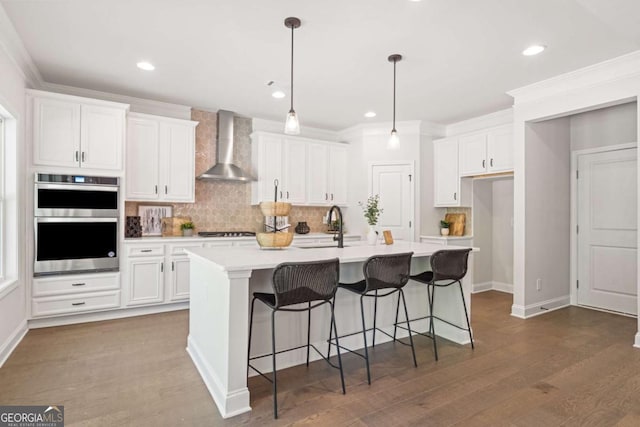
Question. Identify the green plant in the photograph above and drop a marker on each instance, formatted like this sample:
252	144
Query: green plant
444	224
371	210
187	226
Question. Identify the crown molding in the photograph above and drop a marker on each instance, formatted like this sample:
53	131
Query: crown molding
12	44
498	118
274	126
138	105
618	68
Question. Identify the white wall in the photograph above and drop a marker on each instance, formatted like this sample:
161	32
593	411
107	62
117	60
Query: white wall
547	214
12	298
483	232
604	127
502	244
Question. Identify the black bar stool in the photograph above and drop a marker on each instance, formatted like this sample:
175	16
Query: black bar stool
381	272
448	267
296	283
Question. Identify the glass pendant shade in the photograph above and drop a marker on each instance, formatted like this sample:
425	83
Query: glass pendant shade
292	125
394	140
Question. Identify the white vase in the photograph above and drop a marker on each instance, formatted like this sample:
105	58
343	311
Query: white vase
444	231
372	236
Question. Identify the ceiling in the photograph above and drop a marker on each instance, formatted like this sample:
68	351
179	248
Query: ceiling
460	56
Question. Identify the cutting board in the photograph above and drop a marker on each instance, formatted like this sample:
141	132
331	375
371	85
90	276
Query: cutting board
172	226
456	223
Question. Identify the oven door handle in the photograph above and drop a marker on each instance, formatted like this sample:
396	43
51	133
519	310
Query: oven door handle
76	187
41	219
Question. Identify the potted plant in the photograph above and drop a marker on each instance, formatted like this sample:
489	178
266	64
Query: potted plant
444	227
372	212
187	228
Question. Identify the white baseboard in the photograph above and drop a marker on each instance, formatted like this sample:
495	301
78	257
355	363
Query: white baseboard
105	315
637	343
542	307
12	342
492	286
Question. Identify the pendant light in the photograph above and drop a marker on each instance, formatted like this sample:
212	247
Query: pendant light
394	141
292	125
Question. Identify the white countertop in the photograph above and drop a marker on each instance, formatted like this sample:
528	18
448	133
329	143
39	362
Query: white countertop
196	238
440	237
251	258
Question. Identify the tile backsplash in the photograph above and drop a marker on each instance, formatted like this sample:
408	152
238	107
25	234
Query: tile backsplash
221	205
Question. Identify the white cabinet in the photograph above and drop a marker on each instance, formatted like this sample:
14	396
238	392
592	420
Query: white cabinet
327	174
144	281
309	172
160	159
485	152
74	132
449	190
281	158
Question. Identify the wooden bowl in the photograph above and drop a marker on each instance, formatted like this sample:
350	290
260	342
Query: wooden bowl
275	208
274	240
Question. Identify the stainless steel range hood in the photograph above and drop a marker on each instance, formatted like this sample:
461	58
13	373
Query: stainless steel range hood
225	169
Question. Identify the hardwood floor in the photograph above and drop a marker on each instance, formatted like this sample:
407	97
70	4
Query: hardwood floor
573	367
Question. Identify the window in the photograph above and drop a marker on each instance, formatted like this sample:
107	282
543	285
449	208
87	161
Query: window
9	222
2	221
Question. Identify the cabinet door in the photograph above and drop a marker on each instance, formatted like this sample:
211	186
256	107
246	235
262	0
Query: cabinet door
338	175
142	159
145	281
56	132
101	137
317	174
500	150
295	172
473	154
177	162
270	168
446	179
179	279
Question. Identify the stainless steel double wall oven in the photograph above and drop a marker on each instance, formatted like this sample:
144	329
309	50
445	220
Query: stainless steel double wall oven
75	224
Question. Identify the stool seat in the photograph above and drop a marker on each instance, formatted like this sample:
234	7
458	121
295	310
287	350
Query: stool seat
424	277
301	295
357	287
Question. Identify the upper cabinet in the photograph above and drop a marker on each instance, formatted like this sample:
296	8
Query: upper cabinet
486	152
74	132
160	159
449	189
309	172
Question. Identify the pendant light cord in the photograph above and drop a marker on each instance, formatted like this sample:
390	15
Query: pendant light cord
292	27
394	94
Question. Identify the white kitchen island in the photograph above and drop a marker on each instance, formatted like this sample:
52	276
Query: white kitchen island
222	281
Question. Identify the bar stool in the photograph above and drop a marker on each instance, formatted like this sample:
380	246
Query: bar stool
381	272
448	267
297	283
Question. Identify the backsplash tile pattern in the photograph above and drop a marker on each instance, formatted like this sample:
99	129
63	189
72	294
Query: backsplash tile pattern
222	205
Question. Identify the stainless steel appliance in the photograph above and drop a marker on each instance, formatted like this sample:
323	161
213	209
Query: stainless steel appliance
76	221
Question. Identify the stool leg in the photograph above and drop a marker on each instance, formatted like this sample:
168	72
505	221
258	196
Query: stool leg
333	324
250	330
364	336
375	315
273	360
308	332
395	324
331	330
406	314
431	291
466	314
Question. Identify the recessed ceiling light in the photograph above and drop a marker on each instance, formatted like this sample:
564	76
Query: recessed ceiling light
278	94
147	66
370	114
533	50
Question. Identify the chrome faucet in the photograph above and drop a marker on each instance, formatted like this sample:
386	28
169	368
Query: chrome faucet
340	235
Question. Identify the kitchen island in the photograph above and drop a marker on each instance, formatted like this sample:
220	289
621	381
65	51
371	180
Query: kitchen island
222	281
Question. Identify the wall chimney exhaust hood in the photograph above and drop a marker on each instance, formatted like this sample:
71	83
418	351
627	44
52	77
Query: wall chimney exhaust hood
225	169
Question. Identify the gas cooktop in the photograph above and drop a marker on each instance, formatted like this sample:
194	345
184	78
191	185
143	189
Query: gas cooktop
226	233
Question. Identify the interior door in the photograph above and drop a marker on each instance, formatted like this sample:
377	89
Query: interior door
607	234
394	184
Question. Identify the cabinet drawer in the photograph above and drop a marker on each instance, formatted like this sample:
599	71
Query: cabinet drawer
77	303
150	250
75	284
179	249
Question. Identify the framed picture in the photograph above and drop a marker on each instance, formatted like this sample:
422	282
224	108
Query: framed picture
151	219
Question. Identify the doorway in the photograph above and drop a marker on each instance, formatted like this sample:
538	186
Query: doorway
394	183
605	206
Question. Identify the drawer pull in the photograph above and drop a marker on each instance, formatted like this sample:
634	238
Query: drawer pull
78	284
146	250
77	303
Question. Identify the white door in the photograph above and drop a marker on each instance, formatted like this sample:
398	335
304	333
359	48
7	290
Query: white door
607	234
143	151
177	162
338	175
56	133
473	154
445	173
394	184
317	179
295	172
500	150
102	137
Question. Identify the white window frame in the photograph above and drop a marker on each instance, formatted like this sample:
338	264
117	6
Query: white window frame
9	198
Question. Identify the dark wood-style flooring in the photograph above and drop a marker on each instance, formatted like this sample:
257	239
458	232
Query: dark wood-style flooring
573	367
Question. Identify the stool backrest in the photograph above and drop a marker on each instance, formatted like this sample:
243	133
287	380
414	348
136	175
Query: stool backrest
387	271
299	282
449	264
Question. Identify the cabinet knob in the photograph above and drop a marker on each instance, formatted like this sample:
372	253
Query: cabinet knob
156	189
491	162
166	190
173	266
83	156
326	196
287	195
162	267
483	163
455	196
78	284
77	303
331	196
77	156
